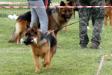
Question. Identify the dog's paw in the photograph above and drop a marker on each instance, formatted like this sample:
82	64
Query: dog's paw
37	70
47	66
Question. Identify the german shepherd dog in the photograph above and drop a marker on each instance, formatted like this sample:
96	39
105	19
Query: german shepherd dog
44	50
57	18
108	13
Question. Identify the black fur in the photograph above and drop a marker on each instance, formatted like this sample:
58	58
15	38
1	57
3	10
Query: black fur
25	16
50	38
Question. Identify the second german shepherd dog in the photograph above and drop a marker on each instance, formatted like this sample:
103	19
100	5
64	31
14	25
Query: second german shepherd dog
57	18
108	13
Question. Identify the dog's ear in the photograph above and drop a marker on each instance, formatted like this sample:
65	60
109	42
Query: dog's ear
62	3
34	28
39	32
70	3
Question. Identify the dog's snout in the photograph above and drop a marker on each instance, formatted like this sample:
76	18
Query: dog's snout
27	41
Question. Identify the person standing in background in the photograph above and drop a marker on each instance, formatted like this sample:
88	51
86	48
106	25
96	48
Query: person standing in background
97	16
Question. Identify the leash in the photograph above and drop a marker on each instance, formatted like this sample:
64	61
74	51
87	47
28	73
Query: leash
70	24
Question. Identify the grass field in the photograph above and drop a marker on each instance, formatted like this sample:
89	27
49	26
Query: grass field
70	59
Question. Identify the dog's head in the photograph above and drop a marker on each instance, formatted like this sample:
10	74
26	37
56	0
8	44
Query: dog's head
66	9
31	36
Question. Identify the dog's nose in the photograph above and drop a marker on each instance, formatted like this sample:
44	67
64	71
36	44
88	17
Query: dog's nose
27	41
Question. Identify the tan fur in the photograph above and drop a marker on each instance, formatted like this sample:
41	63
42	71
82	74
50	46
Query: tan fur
20	29
43	51
108	15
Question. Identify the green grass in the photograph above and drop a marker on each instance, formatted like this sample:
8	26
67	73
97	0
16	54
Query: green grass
70	59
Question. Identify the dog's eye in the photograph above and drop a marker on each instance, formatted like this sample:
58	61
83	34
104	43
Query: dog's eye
26	34
35	32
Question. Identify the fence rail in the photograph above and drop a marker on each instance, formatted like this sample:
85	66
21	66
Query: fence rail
17	5
12	3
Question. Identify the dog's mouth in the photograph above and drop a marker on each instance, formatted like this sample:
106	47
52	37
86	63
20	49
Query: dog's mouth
68	16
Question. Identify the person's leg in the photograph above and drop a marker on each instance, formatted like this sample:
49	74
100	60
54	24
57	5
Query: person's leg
43	18
40	10
84	19
34	16
34	19
98	19
38	13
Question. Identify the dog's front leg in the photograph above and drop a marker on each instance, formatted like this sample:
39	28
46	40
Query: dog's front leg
17	38
110	18
36	61
47	60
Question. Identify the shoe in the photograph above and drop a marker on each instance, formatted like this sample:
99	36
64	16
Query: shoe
94	46
83	46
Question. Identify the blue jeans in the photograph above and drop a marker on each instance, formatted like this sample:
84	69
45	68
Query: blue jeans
38	12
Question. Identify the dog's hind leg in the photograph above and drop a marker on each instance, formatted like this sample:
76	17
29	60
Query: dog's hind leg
52	52
48	58
111	18
18	37
21	27
105	20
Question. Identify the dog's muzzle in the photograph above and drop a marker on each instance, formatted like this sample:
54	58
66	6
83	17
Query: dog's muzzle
28	41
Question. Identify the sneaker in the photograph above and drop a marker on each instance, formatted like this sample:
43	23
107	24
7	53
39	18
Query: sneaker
94	46
83	46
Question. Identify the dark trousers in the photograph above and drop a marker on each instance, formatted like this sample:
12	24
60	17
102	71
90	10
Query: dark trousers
97	16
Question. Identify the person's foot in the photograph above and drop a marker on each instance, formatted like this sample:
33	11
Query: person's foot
83	46
94	46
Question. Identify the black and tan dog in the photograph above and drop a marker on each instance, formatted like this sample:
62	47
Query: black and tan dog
108	12
57	17
44	50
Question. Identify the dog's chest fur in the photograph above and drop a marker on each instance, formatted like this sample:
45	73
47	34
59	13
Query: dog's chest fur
41	50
